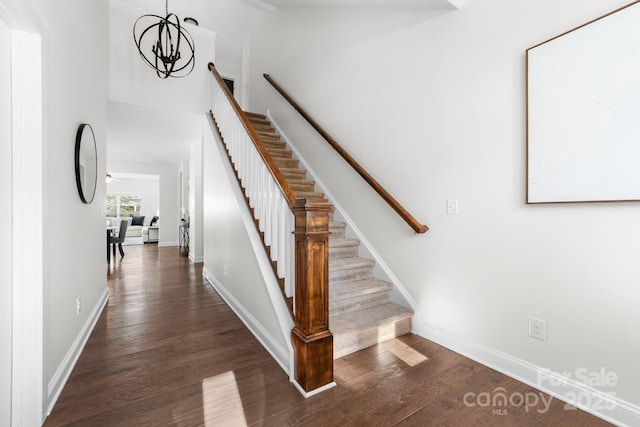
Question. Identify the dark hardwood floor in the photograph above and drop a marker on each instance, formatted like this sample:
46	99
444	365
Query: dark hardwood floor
167	351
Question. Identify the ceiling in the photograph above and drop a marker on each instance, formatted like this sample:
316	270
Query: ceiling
357	3
140	134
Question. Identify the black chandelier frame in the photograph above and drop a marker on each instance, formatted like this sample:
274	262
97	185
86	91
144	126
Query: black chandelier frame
165	56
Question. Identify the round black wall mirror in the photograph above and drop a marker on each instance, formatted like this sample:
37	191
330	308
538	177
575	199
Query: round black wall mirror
86	162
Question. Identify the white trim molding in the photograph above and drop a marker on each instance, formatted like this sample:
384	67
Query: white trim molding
575	394
61	375
307	394
163	244
196	259
28	141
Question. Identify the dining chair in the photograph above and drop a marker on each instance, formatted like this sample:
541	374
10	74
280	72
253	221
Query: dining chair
119	239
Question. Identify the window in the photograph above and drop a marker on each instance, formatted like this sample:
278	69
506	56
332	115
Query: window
122	205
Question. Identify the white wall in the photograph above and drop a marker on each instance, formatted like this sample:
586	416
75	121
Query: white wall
134	82
148	187
196	249
169	200
75	70
432	104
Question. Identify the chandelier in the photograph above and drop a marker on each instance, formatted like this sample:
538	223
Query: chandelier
166	37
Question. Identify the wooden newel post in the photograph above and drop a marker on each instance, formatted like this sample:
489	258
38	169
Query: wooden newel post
311	337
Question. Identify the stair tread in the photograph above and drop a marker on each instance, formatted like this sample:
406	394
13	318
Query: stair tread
274	139
267	133
294	171
301	181
346	263
345	290
369	317
340	242
308	195
255	114
280	151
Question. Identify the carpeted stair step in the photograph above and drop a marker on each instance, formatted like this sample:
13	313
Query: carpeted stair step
355	330
279	152
293	173
257	120
343	248
302	185
285	162
308	195
267	135
274	144
346	269
337	230
263	127
357	295
256	117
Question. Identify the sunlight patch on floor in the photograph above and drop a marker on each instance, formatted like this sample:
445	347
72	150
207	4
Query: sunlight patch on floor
221	402
407	354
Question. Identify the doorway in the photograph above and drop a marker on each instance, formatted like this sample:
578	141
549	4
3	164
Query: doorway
22	388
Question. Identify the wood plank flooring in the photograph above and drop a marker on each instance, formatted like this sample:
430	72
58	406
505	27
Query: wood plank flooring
167	351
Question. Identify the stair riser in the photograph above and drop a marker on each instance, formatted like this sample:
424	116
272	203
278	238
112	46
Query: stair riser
346	275
279	152
361	302
336	233
298	174
287	163
299	187
267	135
274	144
307	195
351	341
342	251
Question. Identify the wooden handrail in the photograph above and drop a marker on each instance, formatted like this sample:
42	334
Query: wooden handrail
257	142
404	214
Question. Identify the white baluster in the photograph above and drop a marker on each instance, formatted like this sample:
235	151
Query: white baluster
271	207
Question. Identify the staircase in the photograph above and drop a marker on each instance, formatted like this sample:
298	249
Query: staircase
360	311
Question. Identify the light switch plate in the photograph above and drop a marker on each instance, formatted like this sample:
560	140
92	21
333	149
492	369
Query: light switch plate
452	207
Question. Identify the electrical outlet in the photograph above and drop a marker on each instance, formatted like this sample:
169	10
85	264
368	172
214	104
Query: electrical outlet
538	328
78	305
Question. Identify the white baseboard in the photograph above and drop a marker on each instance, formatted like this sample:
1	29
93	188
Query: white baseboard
308	394
61	375
161	244
280	354
196	259
575	394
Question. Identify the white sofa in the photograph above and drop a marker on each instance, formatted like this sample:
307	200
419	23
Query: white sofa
134	232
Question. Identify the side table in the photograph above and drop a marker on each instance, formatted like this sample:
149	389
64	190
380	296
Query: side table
183	233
